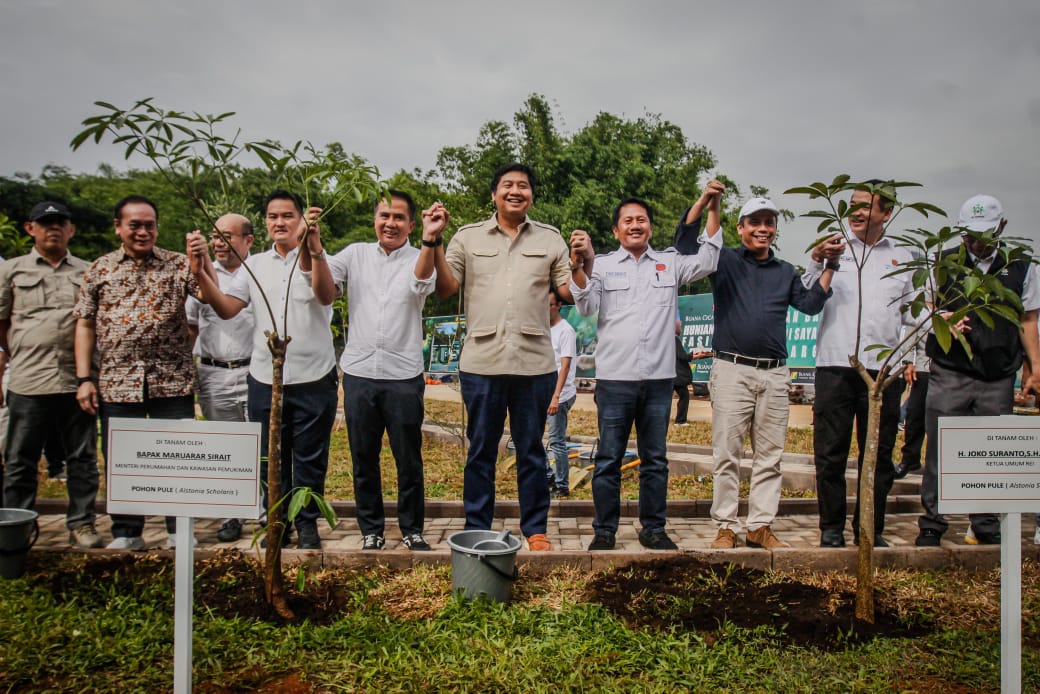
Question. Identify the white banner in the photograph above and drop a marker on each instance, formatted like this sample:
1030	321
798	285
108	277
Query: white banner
989	464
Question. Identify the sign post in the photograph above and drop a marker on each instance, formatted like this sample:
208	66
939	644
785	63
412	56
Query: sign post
992	465
189	469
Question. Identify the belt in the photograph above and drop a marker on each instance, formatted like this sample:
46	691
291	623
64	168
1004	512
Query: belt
751	361
237	364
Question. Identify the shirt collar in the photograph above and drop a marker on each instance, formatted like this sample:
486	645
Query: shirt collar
746	254
492	224
156	253
35	255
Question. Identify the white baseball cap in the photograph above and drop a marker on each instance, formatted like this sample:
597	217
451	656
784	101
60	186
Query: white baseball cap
757	205
981	213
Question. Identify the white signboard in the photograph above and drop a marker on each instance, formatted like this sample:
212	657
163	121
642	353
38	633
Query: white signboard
989	464
183	467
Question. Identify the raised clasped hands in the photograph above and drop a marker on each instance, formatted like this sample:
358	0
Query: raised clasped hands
434	221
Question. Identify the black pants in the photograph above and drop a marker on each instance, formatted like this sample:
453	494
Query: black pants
915	422
181	407
841	400
371	407
308	413
35	421
682	407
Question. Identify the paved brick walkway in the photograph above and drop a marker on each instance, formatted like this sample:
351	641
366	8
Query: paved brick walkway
570	529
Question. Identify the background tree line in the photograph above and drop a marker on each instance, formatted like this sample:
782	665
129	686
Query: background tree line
581	177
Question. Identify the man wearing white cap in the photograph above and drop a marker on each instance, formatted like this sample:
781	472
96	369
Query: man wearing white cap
752	289
982	384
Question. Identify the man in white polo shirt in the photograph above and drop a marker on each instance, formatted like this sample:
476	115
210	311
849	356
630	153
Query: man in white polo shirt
224	347
841	393
301	308
387	282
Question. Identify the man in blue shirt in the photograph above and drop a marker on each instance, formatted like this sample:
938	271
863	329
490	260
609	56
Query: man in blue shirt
752	289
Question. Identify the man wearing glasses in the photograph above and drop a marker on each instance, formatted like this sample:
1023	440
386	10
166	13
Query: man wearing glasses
224	346
981	384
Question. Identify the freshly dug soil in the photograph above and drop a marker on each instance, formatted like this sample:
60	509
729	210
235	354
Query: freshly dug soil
687	594
671	593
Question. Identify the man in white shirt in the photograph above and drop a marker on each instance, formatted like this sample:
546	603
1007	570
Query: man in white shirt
297	302
841	393
387	283
635	292
564	342
224	347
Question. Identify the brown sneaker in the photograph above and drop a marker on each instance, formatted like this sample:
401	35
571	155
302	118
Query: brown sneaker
763	537
539	543
726	539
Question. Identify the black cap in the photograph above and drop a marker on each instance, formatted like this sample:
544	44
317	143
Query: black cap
49	209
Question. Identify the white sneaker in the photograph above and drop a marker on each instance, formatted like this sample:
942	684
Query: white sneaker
133	543
171	541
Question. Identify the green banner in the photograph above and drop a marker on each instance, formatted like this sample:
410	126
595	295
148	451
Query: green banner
444	336
442	343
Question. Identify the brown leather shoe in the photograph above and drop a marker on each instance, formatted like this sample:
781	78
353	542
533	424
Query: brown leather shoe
763	537
539	543
726	539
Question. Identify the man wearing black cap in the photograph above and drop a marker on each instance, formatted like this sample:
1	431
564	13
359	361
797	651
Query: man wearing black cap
37	329
752	289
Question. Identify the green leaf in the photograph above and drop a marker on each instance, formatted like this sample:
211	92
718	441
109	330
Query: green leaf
941	329
299	499
301	579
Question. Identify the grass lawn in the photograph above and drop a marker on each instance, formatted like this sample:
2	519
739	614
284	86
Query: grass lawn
105	624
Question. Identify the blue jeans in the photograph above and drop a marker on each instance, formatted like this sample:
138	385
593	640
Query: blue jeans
558	443
180	407
371	407
33	420
488	399
308	413
620	404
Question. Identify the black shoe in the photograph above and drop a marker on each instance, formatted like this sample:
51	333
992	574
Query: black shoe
415	542
656	539
928	537
372	541
559	493
309	538
230	530
832	538
286	537
879	541
904	469
602	541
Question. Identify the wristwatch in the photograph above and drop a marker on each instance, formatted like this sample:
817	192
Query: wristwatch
575	266
433	244
832	264
318	256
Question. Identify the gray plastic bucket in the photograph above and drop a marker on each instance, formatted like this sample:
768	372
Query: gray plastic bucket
483	562
18	532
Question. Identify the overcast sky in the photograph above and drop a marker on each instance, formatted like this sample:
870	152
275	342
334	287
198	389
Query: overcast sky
946	93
